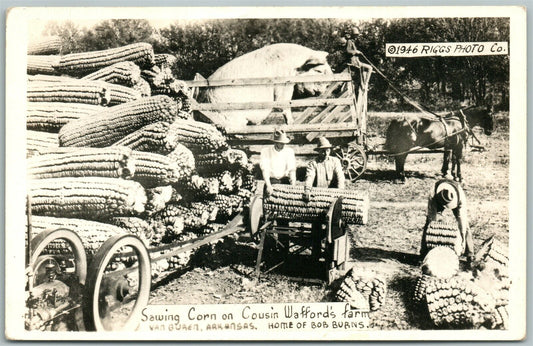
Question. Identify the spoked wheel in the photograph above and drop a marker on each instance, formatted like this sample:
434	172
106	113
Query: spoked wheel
51	261
118	285
353	159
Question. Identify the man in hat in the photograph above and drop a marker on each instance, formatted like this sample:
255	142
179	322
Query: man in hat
278	163
352	51
449	195
323	171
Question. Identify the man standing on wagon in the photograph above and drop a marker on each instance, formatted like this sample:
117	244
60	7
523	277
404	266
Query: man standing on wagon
278	162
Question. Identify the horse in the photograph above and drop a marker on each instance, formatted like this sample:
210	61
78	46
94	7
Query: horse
450	132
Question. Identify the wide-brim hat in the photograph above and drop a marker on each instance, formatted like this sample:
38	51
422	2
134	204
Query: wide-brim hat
280	137
447	195
323	143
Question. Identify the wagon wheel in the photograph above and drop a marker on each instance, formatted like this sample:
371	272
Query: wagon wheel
353	159
40	262
115	294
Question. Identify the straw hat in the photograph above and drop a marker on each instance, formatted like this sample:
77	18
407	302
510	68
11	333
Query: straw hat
323	143
446	195
280	137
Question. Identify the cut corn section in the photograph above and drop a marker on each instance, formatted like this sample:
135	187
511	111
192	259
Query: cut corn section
444	234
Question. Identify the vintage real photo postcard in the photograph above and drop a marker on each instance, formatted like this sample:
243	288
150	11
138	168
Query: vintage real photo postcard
266	173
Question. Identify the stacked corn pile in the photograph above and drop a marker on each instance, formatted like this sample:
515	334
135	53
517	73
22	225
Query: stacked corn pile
362	290
286	202
112	148
456	299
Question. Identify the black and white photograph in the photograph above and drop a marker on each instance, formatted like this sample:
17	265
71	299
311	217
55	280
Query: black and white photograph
263	173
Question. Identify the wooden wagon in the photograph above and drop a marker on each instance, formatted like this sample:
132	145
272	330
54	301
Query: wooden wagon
339	114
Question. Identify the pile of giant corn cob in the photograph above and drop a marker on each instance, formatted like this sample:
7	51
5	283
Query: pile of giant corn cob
465	299
113	148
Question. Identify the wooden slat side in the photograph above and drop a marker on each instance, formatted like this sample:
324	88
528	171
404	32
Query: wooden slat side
309	111
302	128
265	105
338	77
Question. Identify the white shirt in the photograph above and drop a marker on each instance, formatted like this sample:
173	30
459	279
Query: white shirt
278	163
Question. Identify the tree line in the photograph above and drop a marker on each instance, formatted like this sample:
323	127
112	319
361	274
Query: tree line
439	83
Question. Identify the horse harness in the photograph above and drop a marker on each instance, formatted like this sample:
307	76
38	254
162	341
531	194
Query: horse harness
464	124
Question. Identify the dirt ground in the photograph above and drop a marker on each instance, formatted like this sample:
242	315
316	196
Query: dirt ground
388	244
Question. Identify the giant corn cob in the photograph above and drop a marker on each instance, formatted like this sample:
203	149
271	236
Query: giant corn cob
45	64
184	158
372	287
494	252
124	73
144	89
135	225
231	159
419	295
444	234
153	170
111	162
195	187
198	137
209	206
75	92
77	64
286	203
38	142
193	218
116	122
45	45
458	303
90	198
152	137
491	270
158	197
165	60
225	181
115	94
51	116
93	234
